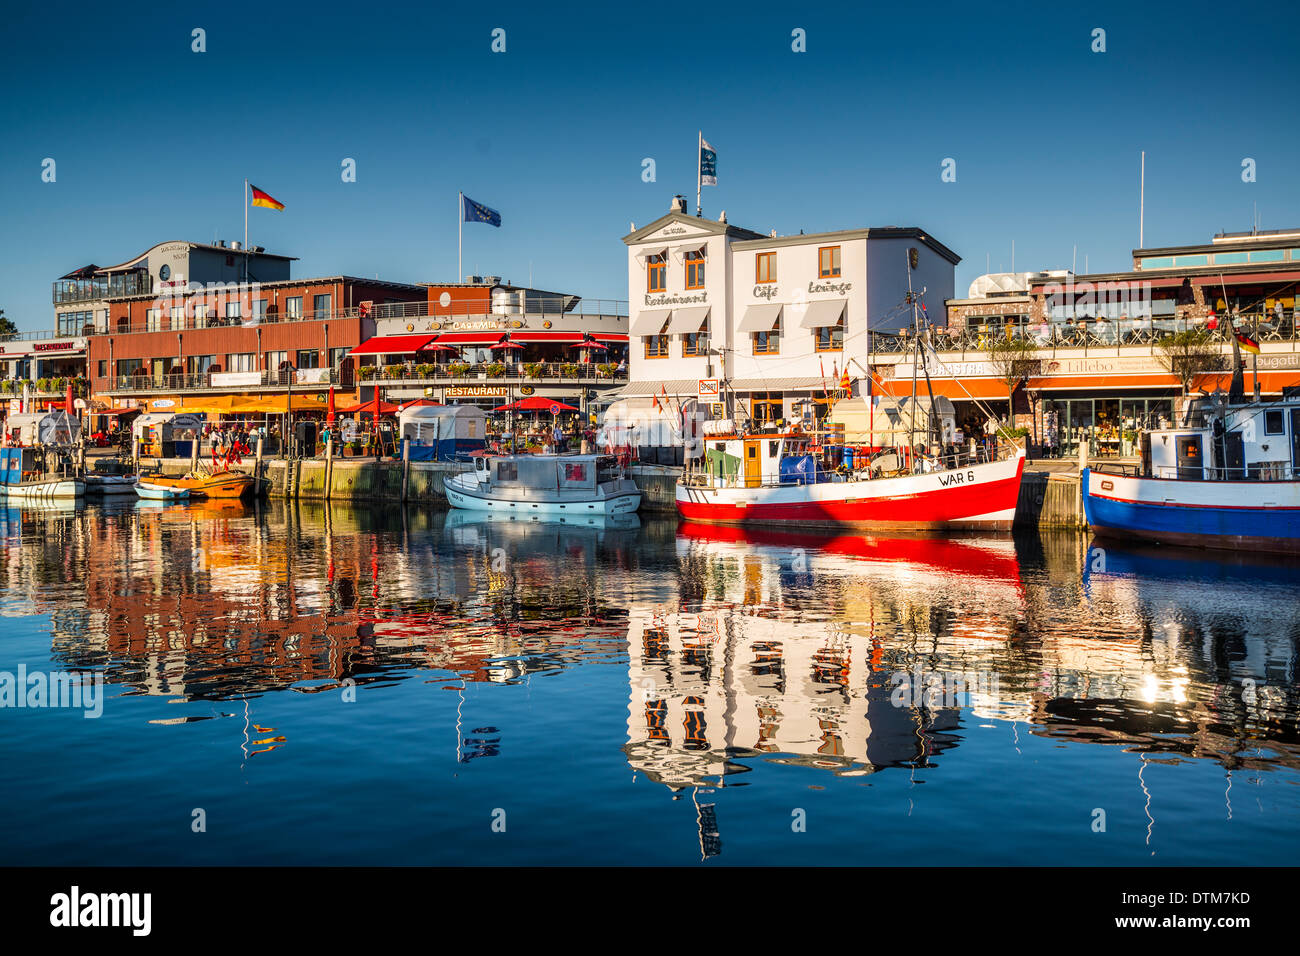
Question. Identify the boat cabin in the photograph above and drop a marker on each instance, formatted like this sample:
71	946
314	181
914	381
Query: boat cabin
1259	441
545	472
758	460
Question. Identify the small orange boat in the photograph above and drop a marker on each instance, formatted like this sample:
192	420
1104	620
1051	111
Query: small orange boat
219	484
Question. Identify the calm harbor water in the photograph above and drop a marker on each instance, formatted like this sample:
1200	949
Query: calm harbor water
328	684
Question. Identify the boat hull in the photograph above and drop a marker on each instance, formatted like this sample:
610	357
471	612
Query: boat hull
1261	515
45	488
980	497
110	484
461	495
229	484
154	492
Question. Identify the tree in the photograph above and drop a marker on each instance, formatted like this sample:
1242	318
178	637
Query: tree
7	326
1188	354
1012	360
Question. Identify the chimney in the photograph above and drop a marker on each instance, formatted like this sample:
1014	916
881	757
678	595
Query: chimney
723	218
678	205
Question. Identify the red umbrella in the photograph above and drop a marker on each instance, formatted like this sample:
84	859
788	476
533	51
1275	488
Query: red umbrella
589	344
535	403
506	344
440	348
68	408
329	408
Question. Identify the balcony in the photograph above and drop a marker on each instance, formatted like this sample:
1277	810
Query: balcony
71	291
502	373
217	381
539	309
1092	337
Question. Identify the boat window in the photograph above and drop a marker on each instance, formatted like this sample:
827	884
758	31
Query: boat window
1189	448
772	446
507	471
575	472
1273	423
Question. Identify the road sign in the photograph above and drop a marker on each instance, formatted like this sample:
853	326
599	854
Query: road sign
710	389
555	408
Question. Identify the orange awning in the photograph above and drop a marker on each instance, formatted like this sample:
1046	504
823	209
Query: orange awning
1270	383
957	389
1098	382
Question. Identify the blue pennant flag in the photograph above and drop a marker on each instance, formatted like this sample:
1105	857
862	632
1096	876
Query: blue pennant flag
477	212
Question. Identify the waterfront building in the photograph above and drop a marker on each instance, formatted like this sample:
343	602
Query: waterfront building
777	316
1098	373
489	343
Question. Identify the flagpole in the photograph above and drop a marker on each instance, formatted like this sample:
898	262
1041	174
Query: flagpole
460	231
246	230
699	159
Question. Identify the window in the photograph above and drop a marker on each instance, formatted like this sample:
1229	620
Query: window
830	338
768	343
1273	422
657	270
695	343
656	346
321	305
695	270
507	471
153	320
575	472
198	364
293	306
337	356
128	366
308	358
767	406
273	360
232	310
828	262
239	362
765	267
103	368
259	309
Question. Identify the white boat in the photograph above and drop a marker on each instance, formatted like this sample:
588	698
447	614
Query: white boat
25	473
110	484
154	492
544	485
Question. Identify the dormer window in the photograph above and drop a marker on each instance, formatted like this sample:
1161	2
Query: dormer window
695	270
657	274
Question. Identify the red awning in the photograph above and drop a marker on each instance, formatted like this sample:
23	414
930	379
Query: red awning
393	344
469	338
115	411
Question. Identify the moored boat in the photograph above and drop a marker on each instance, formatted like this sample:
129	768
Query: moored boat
544	485
779	479
203	484
110	484
155	492
29	472
1229	477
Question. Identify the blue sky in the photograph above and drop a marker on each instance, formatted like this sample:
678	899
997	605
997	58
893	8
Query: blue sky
152	141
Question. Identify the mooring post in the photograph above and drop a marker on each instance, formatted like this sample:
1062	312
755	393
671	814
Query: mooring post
329	465
406	465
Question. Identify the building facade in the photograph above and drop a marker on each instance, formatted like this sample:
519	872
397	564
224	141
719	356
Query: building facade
778	317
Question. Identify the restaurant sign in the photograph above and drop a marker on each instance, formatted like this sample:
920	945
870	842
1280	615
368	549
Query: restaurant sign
476	391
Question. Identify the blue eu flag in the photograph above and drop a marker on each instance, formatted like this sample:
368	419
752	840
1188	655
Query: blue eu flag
477	212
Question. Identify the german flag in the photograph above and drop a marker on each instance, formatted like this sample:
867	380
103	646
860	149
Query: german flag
264	199
1247	343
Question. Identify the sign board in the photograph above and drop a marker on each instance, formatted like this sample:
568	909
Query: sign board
311	376
476	391
710	390
225	379
162	403
555	408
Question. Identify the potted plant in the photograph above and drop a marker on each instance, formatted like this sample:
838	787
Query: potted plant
42	385
458	369
496	370
533	369
366	372
7	386
605	370
392	371
424	370
569	370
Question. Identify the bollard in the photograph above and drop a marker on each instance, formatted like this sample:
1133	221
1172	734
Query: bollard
135	455
329	465
406	465
194	455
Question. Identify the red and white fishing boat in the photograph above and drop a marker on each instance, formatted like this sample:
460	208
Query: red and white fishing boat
780	479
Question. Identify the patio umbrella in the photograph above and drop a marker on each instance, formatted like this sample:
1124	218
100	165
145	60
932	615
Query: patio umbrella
69	407
589	344
506	344
536	403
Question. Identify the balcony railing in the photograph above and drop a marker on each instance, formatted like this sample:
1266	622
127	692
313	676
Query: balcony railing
1093	337
516	372
214	319
218	381
68	291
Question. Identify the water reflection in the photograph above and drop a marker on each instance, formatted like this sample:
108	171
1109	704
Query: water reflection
746	659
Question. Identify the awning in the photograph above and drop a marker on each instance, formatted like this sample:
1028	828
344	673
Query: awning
679	251
963	389
688	320
649	251
469	338
649	322
760	318
393	344
115	411
821	313
1050	383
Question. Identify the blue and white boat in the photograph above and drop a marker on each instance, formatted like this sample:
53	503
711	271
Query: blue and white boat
1229	477
544	486
154	492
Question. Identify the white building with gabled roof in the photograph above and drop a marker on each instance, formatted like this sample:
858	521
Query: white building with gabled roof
777	317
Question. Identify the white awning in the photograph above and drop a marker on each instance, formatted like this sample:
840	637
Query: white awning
679	251
649	251
688	320
760	318
821	313
648	322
